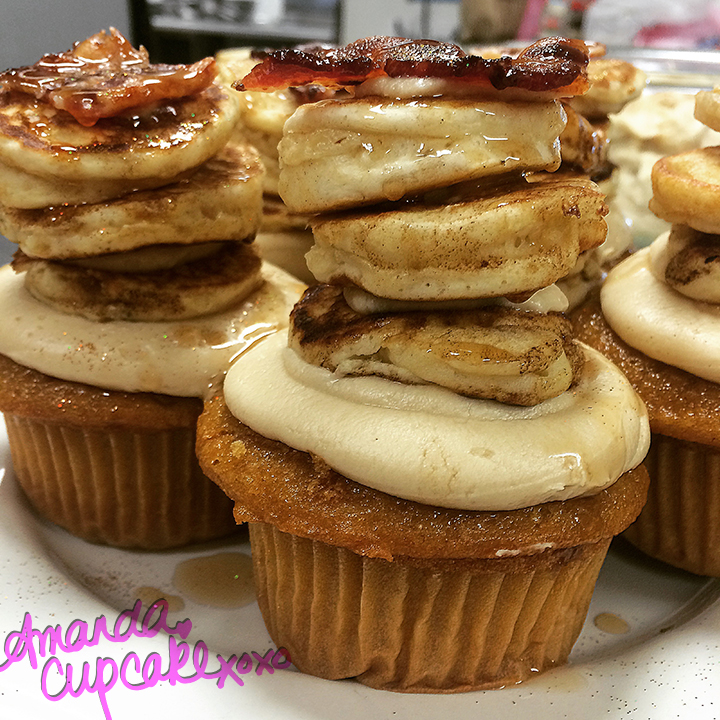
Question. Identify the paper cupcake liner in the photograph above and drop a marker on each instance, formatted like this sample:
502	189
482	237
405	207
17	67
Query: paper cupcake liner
421	626
680	524
128	489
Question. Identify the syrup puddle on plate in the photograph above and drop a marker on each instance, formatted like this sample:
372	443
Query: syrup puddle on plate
224	580
611	623
148	595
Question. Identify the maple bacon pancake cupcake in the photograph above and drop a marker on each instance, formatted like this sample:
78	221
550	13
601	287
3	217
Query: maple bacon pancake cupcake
659	321
126	300
421	595
431	466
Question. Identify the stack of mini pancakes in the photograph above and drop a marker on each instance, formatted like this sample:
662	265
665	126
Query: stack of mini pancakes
107	214
134	218
585	148
284	237
449	276
432	400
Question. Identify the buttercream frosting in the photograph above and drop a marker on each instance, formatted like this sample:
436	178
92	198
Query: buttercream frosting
180	358
428	444
657	320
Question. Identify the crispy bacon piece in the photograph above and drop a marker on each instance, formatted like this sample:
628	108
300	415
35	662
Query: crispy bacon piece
551	64
104	76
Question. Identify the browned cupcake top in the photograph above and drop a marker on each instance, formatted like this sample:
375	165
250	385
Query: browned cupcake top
680	405
32	394
270	482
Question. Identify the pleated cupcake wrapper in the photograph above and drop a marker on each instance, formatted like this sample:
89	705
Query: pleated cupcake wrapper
142	490
680	524
409	626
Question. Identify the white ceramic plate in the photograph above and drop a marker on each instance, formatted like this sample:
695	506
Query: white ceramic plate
666	665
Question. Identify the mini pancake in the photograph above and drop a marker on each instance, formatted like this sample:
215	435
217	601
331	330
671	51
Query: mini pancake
686	189
613	84
156	142
19	189
378	149
507	355
689	261
468	241
221	200
707	108
277	218
191	289
583	146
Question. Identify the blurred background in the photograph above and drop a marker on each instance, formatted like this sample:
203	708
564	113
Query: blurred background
661	36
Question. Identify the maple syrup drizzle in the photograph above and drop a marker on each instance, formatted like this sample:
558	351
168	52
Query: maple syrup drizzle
103	76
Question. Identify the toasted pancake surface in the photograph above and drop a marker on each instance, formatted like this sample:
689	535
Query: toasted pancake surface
20	189
508	355
188	290
464	242
377	149
222	200
160	141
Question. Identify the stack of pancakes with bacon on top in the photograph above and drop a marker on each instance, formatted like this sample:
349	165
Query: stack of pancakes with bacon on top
430	462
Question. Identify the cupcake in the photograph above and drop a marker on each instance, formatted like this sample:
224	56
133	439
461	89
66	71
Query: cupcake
658	321
432	468
134	285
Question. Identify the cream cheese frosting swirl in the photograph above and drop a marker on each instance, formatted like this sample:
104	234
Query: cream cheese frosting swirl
428	444
657	320
179	358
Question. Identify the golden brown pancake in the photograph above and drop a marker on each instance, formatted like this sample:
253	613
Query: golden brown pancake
159	142
474	240
686	189
185	291
378	149
521	358
219	201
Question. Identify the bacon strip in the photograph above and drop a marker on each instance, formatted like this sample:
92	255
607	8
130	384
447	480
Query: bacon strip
104	76
551	64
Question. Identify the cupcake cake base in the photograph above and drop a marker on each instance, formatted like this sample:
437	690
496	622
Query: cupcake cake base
678	525
421	625
110	467
401	595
